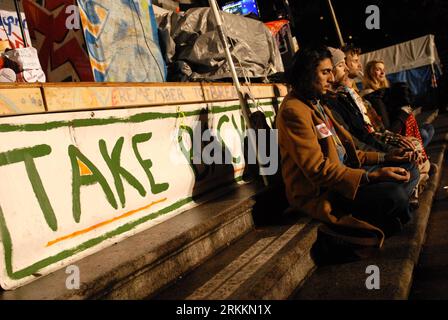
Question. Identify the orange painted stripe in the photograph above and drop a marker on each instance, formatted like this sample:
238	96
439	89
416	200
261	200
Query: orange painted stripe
127	214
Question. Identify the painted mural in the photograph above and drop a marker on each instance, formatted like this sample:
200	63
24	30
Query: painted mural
122	42
62	51
76	182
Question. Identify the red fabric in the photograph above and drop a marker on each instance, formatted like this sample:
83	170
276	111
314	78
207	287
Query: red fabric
276	26
412	130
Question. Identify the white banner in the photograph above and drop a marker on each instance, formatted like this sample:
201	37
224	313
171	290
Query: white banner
73	183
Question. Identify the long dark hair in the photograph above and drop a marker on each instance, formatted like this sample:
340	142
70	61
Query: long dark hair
302	74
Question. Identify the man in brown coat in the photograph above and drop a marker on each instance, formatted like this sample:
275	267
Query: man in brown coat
325	176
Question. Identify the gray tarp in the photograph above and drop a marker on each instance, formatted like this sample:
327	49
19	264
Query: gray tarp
406	55
194	52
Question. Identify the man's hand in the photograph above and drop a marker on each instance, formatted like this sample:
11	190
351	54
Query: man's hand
400	155
389	174
406	142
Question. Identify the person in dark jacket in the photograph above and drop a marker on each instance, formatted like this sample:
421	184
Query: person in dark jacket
393	102
356	115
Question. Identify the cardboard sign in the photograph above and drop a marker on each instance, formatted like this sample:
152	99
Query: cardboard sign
10	28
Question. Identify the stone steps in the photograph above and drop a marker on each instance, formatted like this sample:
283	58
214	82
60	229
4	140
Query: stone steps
268	263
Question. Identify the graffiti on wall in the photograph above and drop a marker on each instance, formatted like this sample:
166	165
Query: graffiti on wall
20	100
122	41
62	52
98	97
119	96
75	182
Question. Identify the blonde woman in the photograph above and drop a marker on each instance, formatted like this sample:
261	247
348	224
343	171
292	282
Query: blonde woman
374	77
393	103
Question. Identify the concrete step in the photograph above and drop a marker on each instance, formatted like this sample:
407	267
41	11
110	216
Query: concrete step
396	260
268	263
143	264
431	274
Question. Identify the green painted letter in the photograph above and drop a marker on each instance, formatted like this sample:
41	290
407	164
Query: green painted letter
113	162
91	176
147	164
27	155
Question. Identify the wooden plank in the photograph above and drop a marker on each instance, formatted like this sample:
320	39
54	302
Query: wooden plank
112	95
88	97
226	92
261	91
16	100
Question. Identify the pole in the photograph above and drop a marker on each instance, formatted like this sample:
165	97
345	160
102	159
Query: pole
236	82
289	12
335	20
19	16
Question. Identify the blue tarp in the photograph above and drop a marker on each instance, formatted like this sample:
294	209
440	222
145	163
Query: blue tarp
418	79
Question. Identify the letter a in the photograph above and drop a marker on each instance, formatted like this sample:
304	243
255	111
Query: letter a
85	173
373	281
73	280
373	21
73	20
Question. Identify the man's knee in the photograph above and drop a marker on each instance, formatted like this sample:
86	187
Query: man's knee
397	196
413	170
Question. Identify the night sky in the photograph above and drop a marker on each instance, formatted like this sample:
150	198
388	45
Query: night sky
400	20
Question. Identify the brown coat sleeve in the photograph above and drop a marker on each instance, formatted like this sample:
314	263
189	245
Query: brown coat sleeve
368	157
301	142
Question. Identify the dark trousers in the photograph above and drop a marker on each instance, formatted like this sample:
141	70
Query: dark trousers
383	204
427	132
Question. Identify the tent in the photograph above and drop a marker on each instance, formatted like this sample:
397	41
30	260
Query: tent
415	62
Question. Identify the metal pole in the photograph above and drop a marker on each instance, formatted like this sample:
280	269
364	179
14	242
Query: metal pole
338	30
236	82
19	16
289	12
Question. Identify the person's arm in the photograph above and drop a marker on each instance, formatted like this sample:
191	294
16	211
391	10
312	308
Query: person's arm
365	92
376	100
298	135
399	123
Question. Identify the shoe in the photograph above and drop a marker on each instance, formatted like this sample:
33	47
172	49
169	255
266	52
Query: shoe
432	117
